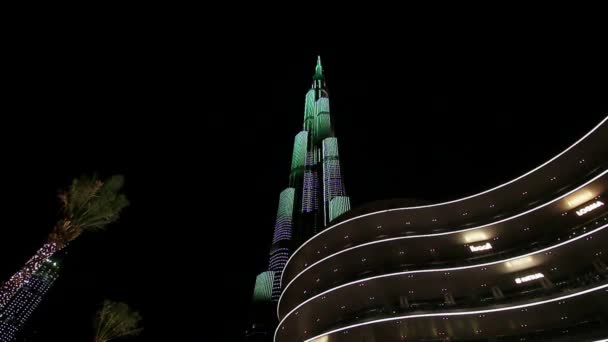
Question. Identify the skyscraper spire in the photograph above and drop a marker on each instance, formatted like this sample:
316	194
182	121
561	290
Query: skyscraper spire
314	198
318	69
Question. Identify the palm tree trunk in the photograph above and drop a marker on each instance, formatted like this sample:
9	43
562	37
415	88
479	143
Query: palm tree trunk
10	288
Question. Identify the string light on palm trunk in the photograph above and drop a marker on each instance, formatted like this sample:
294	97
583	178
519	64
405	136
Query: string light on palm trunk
11	287
89	204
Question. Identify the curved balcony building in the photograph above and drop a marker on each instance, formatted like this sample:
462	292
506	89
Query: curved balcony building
526	260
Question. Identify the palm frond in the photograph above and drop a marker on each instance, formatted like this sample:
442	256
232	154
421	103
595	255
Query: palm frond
90	204
115	320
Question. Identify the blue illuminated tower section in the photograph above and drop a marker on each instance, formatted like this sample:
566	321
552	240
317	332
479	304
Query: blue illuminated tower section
16	313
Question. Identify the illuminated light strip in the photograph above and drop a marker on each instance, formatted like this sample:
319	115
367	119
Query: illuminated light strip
590	207
277	265
16	281
21	306
330	147
278	259
299	150
286	203
307	195
282	230
528	278
435	270
428	235
263	286
454	201
332	175
323	125
338	206
477	312
309	105
480	248
276	287
315	190
332	179
322	105
312	157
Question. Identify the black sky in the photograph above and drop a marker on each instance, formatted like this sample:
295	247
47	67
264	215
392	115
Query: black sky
201	122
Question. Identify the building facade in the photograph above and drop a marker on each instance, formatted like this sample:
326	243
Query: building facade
17	311
314	198
524	261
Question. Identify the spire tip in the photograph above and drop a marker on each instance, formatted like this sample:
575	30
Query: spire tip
319	68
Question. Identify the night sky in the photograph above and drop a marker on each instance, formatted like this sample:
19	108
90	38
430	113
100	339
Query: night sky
202	126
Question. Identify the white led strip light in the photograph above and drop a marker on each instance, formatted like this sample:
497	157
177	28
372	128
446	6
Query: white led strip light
449	202
427	235
598	288
441	270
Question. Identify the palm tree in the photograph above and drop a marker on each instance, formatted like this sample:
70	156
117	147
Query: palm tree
115	320
88	205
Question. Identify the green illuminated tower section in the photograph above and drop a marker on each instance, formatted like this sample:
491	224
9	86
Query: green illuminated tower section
263	286
318	172
314	198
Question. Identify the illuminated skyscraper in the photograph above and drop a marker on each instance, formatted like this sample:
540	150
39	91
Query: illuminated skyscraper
16	313
315	195
316	165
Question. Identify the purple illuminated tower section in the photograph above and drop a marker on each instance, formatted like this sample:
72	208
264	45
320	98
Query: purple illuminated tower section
315	196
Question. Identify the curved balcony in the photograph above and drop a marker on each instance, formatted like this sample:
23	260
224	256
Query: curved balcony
572	262
581	162
538	227
553	317
387	259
